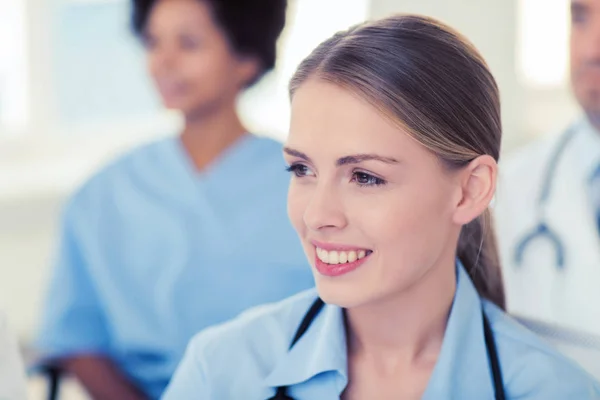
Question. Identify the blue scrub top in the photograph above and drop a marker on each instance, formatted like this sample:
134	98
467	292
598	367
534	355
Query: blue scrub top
248	357
153	251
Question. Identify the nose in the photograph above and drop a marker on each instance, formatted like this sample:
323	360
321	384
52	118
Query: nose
325	210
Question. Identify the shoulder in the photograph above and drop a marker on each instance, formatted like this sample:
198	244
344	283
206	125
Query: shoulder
134	160
120	170
267	150
264	331
264	168
532	368
520	178
246	348
268	143
527	162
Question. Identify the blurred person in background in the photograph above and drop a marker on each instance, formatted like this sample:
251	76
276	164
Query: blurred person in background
181	233
548	205
12	372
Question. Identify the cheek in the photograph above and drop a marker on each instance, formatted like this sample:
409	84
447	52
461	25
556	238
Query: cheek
297	200
410	226
398	220
575	62
212	72
152	64
573	47
201	70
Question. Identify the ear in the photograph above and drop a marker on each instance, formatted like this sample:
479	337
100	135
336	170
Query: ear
248	68
478	185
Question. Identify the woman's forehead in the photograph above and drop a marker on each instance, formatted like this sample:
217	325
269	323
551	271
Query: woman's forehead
324	114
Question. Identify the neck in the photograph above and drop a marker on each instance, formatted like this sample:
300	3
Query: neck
207	135
407	328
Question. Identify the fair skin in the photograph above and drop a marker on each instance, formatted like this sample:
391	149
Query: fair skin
585	56
196	72
361	183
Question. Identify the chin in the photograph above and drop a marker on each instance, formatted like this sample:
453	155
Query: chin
176	103
177	106
346	294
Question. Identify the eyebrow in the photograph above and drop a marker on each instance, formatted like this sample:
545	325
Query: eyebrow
351	159
296	153
358	158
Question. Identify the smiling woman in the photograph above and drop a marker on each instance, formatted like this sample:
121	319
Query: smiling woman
431	127
393	147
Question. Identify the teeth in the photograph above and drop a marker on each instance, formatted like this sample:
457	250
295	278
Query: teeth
352	256
334	257
343	257
323	255
340	257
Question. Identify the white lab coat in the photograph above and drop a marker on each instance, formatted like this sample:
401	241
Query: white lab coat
12	372
537	289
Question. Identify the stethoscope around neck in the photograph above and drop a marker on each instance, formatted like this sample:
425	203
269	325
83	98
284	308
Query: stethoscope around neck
541	230
492	353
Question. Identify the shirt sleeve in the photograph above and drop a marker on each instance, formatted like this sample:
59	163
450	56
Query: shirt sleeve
12	372
189	381
73	320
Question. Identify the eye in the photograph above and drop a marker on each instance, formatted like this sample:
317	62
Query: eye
364	179
578	15
300	170
149	42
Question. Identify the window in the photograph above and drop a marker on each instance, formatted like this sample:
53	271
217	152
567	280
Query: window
543	42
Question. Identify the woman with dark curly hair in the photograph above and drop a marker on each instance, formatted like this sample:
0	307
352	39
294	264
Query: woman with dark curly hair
181	233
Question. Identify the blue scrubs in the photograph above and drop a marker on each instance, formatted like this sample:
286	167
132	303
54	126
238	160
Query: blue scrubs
153	251
248	357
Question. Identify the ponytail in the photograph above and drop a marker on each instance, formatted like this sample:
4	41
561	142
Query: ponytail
478	251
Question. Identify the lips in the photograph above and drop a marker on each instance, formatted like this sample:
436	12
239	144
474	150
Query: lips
334	257
169	88
336	260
